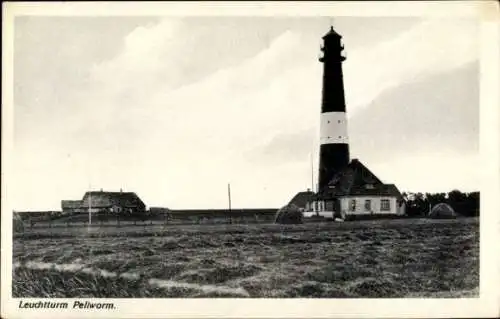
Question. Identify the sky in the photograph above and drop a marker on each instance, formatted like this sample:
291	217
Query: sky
174	109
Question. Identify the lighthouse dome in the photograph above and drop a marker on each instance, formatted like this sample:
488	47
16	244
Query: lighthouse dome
332	33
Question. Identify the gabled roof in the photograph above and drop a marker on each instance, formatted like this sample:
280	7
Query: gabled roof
301	199
103	199
355	173
357	180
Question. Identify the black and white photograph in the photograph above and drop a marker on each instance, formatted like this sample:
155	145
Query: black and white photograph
223	157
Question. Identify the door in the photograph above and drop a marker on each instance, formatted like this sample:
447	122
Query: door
330	206
336	208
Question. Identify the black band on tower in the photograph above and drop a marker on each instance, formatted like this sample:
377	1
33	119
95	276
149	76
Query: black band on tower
333	157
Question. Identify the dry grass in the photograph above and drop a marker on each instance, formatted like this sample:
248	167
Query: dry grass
402	258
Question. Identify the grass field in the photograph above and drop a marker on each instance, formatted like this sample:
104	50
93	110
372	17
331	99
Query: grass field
370	259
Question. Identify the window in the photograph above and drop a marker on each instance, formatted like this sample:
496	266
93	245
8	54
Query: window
369	186
329	206
352	205
368	205
385	205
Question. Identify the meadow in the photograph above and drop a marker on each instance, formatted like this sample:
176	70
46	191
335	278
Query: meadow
368	259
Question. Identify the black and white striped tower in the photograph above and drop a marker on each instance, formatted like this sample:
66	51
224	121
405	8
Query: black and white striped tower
334	149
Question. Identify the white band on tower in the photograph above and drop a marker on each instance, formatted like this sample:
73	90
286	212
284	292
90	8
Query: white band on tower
333	128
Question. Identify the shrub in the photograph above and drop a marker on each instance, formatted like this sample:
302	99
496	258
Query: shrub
290	214
17	223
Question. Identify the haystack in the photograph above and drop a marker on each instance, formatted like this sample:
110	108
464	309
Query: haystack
17	223
289	214
442	210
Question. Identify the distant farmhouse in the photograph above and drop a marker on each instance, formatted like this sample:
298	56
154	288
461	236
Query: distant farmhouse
105	202
129	203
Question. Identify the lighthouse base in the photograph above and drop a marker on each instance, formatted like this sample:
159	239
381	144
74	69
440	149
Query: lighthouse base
332	159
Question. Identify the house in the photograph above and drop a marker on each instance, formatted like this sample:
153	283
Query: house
112	202
355	190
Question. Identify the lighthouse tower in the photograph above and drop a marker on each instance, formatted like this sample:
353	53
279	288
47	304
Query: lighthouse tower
347	189
334	149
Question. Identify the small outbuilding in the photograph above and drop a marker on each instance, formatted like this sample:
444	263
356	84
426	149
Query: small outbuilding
71	206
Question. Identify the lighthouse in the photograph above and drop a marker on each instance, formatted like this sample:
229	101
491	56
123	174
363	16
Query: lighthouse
346	187
334	144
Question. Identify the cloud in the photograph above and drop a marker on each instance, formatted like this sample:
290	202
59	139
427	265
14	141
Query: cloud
147	53
430	47
243	101
433	113
129	128
423	135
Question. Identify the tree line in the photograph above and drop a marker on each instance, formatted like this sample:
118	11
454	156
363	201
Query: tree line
420	204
